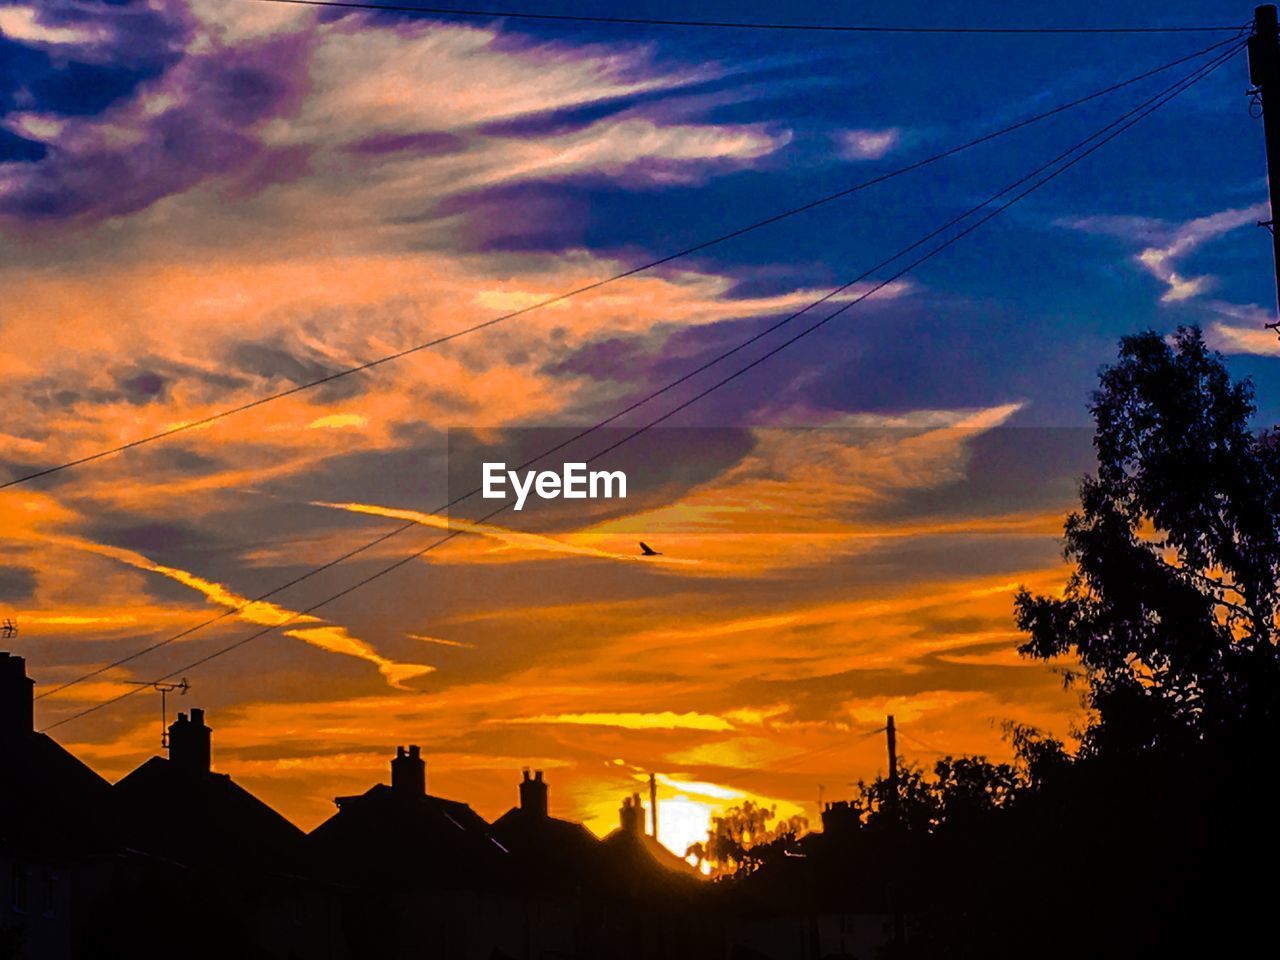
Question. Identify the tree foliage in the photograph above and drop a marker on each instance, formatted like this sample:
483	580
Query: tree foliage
743	838
960	792
1171	609
914	806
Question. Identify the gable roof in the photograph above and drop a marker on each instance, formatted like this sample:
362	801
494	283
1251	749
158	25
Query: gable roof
422	840
50	802
204	818
549	850
641	867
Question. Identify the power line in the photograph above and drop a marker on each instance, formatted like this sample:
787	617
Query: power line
638	403
491	14
1167	95
595	285
790	763
925	746
1125	122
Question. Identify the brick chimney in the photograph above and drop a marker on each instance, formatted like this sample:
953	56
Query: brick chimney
409	772
533	794
16	697
631	816
189	742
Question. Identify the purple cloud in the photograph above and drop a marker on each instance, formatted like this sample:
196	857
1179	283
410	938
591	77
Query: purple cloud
196	122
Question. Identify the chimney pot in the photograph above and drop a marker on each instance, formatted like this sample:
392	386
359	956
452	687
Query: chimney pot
409	773
533	794
190	742
631	816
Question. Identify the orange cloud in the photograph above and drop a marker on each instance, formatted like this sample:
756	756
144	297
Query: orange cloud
332	638
666	720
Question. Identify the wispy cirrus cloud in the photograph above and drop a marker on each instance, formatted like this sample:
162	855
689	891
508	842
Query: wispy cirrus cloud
868	144
1166	244
1162	261
520	541
30	25
1164	247
243	111
312	630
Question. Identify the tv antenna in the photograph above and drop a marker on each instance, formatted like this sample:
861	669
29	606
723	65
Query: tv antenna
165	689
8	629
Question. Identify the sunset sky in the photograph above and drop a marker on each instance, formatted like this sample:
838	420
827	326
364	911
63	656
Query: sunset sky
205	201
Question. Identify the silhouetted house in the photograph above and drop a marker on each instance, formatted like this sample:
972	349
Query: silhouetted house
840	819
657	904
429	878
179	860
58	851
179	809
637	858
220	860
401	830
828	896
561	853
559	864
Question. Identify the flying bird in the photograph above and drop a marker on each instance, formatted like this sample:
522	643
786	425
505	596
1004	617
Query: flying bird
648	551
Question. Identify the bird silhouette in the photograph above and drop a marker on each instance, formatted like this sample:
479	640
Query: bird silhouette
648	551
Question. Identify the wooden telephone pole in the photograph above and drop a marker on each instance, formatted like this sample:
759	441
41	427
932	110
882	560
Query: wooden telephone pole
891	737
1264	74
653	803
893	895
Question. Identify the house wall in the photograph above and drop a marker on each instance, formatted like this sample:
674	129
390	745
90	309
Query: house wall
54	909
35	909
827	936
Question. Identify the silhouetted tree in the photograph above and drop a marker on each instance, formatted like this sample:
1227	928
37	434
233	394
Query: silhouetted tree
1171	610
1042	760
970	788
960	792
741	839
916	806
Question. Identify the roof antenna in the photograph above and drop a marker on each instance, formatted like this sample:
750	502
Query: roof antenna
8	629
165	689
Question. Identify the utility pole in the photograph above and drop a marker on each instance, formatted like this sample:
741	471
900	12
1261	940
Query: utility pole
653	803
892	893
891	736
1264	74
